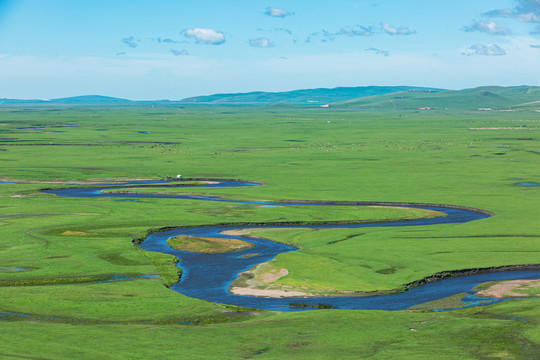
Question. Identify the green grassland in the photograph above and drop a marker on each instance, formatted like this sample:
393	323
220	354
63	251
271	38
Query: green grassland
207	245
466	158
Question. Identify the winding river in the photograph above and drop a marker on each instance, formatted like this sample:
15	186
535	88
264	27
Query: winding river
208	276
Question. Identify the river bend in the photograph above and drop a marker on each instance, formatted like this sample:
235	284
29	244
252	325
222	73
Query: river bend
208	276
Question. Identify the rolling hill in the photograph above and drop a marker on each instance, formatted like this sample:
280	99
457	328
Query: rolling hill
90	99
365	98
305	96
487	97
83	100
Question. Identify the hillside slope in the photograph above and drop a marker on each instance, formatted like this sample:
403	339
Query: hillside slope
487	97
305	96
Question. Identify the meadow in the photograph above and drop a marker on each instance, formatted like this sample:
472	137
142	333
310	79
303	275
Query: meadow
73	285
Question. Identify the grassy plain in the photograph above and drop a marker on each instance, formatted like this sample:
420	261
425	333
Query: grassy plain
207	245
462	158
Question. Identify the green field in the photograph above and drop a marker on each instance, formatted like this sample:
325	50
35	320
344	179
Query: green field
207	245
53	250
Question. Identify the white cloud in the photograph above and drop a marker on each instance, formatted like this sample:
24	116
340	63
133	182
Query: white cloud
487	27
379	51
485	50
359	30
260	42
322	36
526	11
390	30
131	41
182	52
325	36
205	36
166	41
276	12
277	29
528	17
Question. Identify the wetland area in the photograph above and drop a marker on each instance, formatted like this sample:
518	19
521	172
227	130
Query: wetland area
201	280
411	230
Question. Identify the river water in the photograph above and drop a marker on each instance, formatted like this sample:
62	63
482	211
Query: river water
208	276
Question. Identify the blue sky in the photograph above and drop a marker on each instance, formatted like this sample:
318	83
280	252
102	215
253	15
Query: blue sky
171	49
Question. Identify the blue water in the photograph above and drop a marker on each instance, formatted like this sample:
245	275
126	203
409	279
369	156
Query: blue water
116	278
208	276
13	269
528	184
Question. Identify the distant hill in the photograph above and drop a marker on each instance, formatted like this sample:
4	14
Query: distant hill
83	100
486	97
307	96
365	97
90	99
19	101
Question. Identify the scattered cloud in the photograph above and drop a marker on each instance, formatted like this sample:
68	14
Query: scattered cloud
536	31
277	29
485	50
379	51
123	53
131	41
182	52
260	42
487	27
276	12
205	36
167	41
359	30
325	35
526	11
390	30
283	30
322	36
535	46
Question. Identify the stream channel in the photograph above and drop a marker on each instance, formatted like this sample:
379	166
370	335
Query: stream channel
208	276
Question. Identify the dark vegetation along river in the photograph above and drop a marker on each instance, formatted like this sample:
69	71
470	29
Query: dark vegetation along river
208	276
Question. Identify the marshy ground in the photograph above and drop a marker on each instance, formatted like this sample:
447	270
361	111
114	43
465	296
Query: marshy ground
338	154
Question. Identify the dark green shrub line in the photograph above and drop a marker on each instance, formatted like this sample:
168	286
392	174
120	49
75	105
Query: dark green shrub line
441	276
465	272
314	306
68	280
140	240
228	317
242	279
